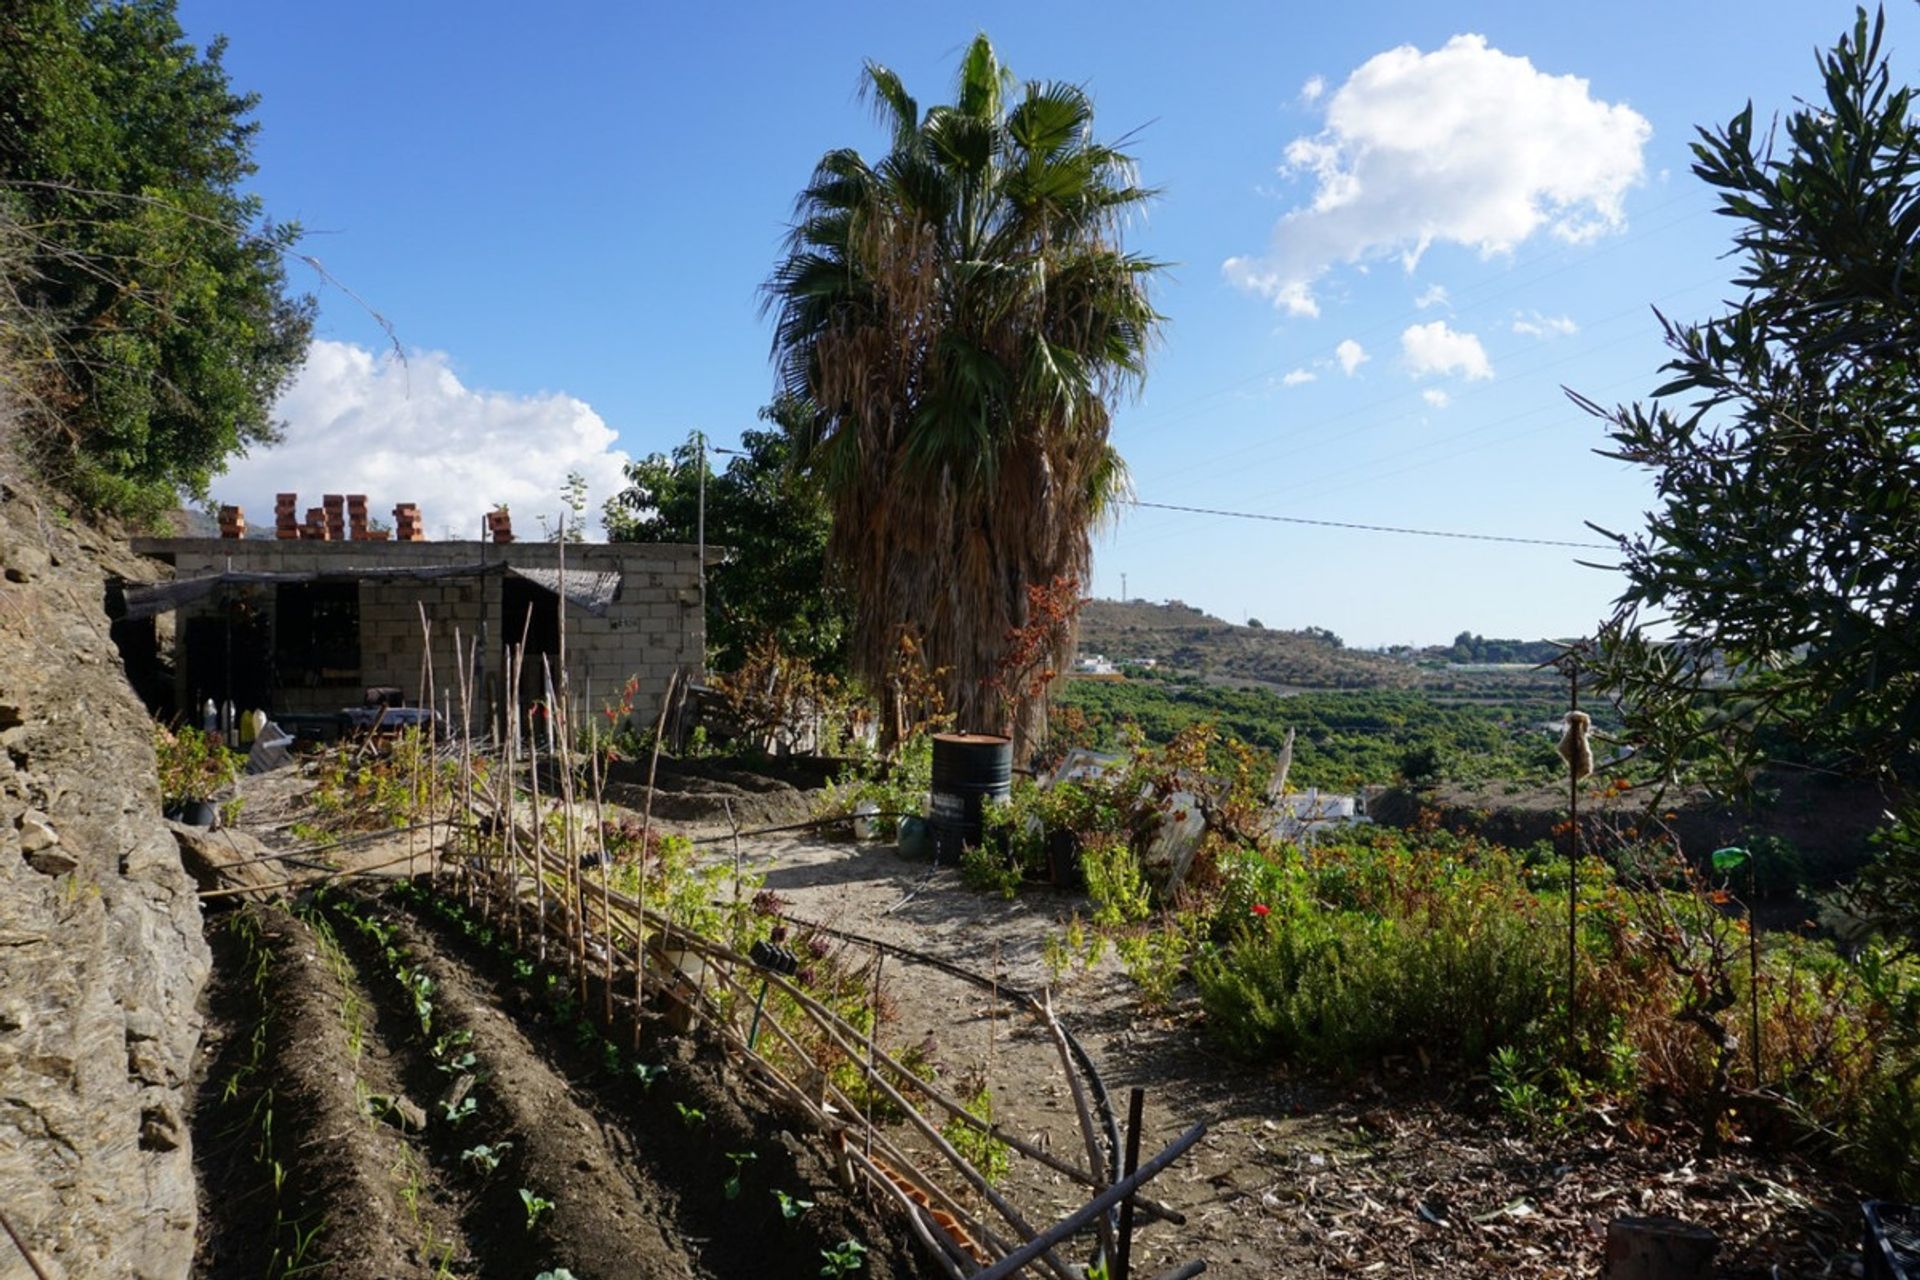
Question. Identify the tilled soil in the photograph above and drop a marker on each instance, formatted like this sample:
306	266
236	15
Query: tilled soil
335	1137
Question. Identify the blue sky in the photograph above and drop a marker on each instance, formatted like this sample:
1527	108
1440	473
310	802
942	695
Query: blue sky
566	211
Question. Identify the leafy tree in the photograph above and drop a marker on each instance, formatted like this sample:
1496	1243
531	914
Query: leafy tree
166	326
963	316
773	522
1785	450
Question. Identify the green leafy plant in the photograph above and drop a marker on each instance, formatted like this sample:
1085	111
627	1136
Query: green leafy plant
193	765
486	1157
691	1117
535	1206
844	1258
791	1207
992	1157
648	1073
739	1160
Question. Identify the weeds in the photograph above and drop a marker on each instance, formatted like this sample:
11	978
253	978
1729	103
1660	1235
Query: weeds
992	1157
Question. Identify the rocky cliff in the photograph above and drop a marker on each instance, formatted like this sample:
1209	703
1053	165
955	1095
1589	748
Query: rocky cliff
102	961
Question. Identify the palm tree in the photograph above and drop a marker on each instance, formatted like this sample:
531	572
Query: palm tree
962	317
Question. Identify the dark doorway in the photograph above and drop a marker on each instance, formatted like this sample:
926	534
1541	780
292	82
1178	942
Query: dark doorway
532	611
227	660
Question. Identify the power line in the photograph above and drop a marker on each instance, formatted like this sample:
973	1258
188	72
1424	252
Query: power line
1370	528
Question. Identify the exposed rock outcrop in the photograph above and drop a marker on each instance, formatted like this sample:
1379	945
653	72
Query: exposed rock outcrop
102	960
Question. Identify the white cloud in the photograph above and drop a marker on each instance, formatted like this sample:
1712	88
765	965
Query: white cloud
1436	397
1534	325
1298	376
1313	88
1351	356
1435	348
1434	295
357	422
1465	145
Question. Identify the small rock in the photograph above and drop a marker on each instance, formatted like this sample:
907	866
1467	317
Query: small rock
159	1128
53	861
36	831
408	1112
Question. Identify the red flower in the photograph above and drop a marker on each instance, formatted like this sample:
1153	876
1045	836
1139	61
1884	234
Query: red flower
1261	909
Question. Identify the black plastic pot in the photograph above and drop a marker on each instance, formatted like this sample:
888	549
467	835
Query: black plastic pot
193	813
1063	860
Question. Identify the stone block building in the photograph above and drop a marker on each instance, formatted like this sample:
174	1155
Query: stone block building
308	626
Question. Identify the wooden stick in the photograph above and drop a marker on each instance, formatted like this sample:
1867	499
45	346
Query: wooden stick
1094	1208
879	958
1088	1134
646	845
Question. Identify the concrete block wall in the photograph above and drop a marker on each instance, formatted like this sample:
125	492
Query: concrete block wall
653	629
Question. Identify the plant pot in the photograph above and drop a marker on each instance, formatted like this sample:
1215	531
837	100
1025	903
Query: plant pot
193	813
912	839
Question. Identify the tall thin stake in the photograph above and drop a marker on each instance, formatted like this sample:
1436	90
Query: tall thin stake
873	1036
606	873
646	846
1573	877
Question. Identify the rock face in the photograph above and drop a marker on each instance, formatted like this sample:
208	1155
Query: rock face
102	961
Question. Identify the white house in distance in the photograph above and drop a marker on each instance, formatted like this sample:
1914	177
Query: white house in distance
1303	815
1095	664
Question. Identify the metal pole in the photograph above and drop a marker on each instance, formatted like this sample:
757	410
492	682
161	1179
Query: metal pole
701	531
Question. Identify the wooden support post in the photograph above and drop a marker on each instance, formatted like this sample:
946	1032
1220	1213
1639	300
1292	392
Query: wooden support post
1659	1248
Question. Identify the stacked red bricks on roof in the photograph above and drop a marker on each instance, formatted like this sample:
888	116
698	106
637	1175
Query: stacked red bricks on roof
406	524
340	518
500	525
233	522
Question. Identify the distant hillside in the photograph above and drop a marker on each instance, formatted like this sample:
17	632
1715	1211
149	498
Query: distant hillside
1180	636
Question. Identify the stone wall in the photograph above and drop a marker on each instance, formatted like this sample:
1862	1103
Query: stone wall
102	961
652	629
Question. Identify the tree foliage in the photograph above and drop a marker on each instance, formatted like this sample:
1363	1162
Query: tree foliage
773	523
165	326
1784	554
961	312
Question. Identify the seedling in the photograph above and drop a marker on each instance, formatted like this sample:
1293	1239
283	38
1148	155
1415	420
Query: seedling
792	1208
455	1112
731	1187
485	1158
536	1205
558	1273
692	1117
844	1258
648	1074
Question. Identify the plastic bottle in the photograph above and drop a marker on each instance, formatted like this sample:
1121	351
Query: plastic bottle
210	717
